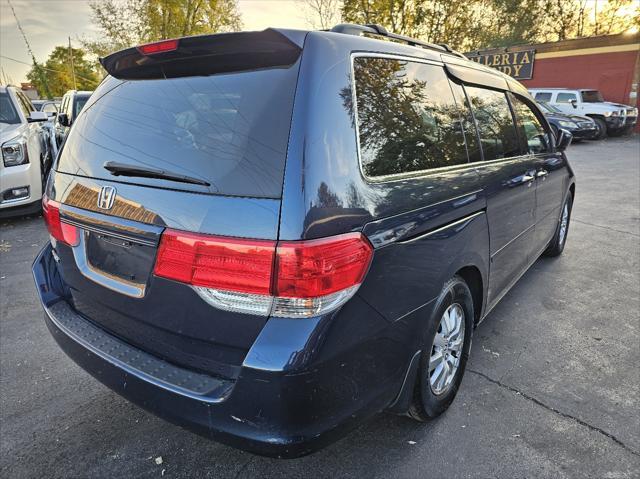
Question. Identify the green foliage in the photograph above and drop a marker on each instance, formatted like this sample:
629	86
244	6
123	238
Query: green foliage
123	24
59	75
474	24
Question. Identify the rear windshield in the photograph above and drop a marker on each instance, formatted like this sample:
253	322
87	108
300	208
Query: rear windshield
8	113
230	130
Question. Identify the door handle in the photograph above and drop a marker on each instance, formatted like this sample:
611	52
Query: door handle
542	173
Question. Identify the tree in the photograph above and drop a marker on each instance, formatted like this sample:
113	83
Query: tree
509	22
123	24
475	24
59	74
323	14
617	16
437	21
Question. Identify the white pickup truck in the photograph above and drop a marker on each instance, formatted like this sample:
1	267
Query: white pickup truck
612	118
26	153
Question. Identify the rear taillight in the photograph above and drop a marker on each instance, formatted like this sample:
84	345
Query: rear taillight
215	262
286	279
60	231
158	47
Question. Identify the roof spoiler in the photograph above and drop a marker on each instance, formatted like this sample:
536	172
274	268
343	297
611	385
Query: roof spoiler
203	55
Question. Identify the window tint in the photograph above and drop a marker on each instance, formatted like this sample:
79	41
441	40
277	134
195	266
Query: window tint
592	96
8	113
80	102
540	96
530	127
407	117
565	97
231	130
469	127
495	123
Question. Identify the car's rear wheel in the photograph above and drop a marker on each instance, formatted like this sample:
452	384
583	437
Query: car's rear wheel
556	246
445	351
602	128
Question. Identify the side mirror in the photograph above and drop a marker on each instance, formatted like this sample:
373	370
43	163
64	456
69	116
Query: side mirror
37	116
63	119
563	140
574	103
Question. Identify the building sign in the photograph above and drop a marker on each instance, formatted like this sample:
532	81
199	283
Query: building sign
519	65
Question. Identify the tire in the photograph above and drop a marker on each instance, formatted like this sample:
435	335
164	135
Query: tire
431	400
602	129
556	246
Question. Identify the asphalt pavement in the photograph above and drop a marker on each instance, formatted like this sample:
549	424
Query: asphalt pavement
552	389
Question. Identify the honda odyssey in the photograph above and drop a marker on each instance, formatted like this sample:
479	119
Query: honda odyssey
269	237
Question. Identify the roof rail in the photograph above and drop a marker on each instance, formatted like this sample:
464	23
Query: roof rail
373	29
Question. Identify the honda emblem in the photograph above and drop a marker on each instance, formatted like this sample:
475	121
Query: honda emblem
106	197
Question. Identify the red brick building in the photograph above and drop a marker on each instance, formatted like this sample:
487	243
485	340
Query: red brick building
609	63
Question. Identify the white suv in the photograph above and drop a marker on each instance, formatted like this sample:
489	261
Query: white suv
26	155
612	118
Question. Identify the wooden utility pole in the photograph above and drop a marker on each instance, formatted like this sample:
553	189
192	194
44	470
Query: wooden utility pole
73	70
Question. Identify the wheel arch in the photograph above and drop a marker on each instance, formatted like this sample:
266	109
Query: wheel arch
473	277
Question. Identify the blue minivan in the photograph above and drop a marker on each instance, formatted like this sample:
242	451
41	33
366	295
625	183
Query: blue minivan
269	237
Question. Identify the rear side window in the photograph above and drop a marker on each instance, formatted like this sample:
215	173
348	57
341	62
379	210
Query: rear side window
495	123
230	130
530	127
8	113
565	97
408	120
541	96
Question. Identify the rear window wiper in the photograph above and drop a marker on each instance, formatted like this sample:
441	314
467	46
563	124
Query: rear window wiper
122	169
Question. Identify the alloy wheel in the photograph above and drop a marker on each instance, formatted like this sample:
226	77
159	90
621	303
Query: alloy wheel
446	351
564	222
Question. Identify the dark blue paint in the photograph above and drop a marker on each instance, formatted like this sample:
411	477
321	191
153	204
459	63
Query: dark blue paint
299	384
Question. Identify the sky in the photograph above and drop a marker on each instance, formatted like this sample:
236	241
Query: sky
48	23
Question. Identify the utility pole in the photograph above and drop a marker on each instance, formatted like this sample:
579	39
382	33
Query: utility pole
73	70
43	78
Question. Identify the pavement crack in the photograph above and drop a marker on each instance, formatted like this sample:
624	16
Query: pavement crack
605	227
556	411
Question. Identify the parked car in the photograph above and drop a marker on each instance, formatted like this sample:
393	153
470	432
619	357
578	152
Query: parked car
612	118
272	247
50	107
580	127
71	105
25	154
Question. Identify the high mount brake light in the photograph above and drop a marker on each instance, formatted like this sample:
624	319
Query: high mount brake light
287	279
63	232
158	47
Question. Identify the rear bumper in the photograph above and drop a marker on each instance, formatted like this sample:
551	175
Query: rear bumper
282	412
